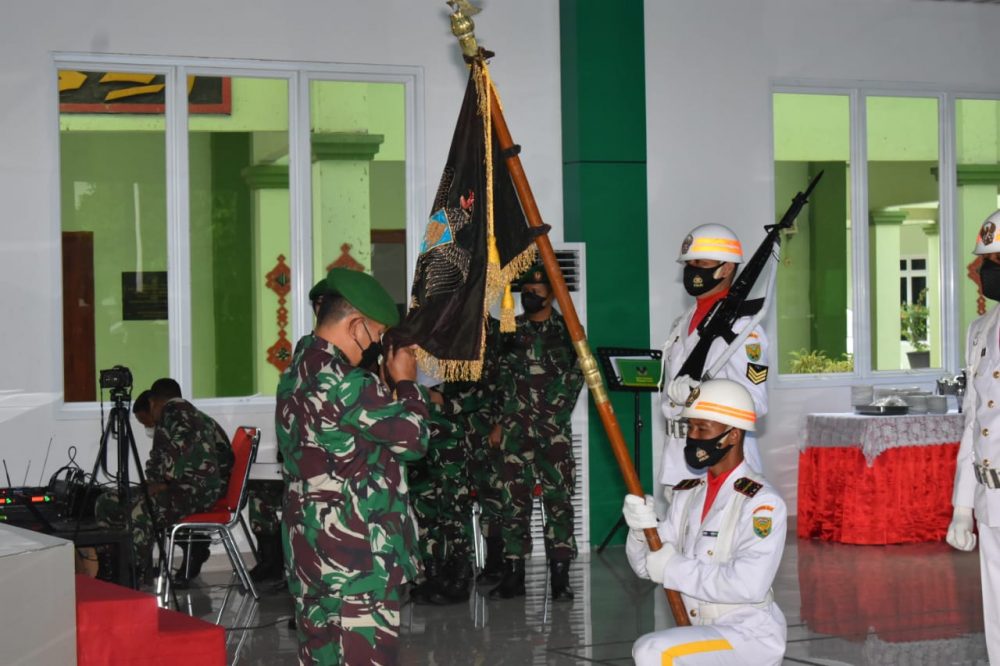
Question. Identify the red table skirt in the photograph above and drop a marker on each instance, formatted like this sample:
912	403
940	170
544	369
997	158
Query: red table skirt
905	497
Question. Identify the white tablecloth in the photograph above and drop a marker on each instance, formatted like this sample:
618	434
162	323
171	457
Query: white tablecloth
875	434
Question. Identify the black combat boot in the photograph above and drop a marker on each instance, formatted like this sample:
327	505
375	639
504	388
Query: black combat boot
453	587
493	567
512	583
422	592
195	555
559	575
270	566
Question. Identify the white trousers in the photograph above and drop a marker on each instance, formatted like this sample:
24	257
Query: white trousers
989	567
699	646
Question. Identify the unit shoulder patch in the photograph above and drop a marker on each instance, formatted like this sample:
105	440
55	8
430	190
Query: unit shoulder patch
756	373
747	486
762	526
687	484
753	351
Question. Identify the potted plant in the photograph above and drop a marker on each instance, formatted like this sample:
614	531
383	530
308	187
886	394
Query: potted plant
914	327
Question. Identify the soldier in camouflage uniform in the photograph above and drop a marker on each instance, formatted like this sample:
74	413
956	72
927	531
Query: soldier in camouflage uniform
540	380
264	496
188	471
475	407
439	492
348	537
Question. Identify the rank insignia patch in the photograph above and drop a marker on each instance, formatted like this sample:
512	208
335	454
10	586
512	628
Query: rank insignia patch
753	351
756	373
762	526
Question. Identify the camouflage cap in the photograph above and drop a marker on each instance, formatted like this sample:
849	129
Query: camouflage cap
319	290
365	293
535	275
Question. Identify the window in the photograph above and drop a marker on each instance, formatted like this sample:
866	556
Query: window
190	239
884	288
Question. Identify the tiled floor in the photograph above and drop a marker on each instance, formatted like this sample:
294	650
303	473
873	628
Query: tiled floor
916	605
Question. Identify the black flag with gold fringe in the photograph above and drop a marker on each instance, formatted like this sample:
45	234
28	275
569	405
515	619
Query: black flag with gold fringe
476	241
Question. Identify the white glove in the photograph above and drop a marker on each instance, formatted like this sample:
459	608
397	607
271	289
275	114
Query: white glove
656	562
679	389
639	515
960	534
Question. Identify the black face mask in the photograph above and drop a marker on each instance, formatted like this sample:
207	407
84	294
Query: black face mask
697	280
532	302
371	354
702	453
989	276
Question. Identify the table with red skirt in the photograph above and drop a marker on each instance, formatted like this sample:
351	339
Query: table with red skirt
877	479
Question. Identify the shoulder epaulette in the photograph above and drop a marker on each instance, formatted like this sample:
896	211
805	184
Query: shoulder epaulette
747	486
687	484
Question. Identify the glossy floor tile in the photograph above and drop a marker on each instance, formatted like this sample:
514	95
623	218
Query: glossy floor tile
916	605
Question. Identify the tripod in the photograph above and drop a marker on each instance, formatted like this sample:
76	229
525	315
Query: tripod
636	450
120	429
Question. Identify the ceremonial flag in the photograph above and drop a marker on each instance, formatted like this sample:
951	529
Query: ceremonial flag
476	241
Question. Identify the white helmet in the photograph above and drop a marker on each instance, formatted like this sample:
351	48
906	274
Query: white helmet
711	241
724	401
988	240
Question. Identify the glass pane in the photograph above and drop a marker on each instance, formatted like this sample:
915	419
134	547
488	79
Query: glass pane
903	222
113	203
241	335
359	180
812	133
977	125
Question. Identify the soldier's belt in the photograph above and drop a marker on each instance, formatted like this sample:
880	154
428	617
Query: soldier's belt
987	476
708	612
677	428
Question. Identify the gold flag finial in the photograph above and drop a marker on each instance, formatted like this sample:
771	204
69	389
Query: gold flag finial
463	27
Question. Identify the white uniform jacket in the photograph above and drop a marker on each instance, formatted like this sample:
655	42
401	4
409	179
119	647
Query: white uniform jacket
748	366
981	438
724	567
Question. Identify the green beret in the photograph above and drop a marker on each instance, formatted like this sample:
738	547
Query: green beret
365	293
535	275
319	290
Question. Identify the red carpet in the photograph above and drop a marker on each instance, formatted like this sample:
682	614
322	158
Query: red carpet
116	625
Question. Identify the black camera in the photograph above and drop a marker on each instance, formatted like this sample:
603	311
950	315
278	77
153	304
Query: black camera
118	377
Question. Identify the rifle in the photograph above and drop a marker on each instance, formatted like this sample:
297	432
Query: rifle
720	319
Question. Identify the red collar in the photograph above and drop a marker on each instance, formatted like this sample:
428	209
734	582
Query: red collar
702	306
714	485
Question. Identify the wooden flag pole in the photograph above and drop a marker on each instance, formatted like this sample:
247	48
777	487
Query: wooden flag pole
462	27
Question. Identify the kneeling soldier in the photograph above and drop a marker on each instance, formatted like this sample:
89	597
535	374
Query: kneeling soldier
722	543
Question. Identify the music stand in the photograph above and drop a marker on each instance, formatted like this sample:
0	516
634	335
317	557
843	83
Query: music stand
635	371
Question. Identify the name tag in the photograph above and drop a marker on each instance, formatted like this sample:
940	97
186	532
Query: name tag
710	534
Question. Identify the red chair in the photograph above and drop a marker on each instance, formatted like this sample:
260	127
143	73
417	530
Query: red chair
225	516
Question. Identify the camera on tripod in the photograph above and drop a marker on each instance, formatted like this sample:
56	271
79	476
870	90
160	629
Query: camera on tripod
119	380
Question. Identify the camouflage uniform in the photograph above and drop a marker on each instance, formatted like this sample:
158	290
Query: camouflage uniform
540	381
439	491
475	407
348	538
264	498
193	456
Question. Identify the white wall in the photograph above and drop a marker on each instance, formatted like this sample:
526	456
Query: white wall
709	67
524	33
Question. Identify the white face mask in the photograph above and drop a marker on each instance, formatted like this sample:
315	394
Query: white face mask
150	432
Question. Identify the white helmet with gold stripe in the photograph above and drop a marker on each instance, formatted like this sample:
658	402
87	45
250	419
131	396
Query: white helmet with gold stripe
988	240
724	401
711	241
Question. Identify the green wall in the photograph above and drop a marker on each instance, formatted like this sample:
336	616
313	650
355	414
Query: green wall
604	185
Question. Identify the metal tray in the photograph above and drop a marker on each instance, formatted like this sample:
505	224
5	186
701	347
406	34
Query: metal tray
881	410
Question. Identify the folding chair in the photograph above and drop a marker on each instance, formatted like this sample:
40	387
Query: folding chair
225	516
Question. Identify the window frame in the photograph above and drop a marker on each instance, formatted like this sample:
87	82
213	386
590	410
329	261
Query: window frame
858	92
299	75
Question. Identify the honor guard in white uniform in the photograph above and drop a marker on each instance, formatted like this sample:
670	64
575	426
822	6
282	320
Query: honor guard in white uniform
710	254
722	543
977	472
